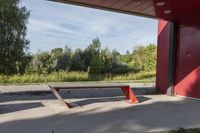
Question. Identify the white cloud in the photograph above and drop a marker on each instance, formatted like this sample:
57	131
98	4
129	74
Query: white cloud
60	23
48	26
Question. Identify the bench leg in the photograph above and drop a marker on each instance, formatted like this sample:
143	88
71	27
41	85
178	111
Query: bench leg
61	100
129	94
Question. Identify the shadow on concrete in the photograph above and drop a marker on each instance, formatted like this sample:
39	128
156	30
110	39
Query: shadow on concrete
72	94
9	108
89	101
86	97
26	96
142	99
106	99
140	118
145	90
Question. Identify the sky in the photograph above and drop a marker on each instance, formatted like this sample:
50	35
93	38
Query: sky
52	25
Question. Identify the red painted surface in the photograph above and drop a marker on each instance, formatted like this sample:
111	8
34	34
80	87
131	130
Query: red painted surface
188	60
130	96
188	57
180	9
163	55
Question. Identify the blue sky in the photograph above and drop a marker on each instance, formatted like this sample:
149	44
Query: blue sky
54	25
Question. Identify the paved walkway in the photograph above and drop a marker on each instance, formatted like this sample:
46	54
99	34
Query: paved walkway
99	112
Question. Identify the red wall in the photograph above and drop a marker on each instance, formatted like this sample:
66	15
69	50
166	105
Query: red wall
163	55
188	59
187	75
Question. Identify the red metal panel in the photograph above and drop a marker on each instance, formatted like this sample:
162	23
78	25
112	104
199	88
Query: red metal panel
130	96
188	60
163	55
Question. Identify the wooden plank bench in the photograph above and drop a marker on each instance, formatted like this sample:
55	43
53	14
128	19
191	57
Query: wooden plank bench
126	89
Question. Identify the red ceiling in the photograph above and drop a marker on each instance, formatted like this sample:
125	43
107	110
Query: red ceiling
174	9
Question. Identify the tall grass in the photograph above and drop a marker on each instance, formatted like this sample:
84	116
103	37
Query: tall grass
71	77
45	78
135	76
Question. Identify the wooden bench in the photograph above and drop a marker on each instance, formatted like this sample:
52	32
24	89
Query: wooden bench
126	89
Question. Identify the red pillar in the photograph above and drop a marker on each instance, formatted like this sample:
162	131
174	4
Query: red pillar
163	56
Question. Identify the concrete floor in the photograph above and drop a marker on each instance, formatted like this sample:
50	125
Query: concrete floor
42	113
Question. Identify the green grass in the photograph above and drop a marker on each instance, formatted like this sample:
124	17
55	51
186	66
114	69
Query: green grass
136	76
75	77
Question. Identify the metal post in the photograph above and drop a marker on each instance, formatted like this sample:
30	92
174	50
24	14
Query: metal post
172	58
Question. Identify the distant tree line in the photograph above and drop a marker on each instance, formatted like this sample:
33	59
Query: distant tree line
94	59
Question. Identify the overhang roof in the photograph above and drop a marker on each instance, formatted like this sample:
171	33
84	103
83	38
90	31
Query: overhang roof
174	10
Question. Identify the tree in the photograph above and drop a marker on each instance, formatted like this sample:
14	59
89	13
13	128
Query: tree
97	66
55	54
13	41
77	63
24	64
92	50
144	58
42	62
63	62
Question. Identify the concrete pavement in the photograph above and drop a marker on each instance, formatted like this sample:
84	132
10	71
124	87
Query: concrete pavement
97	114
